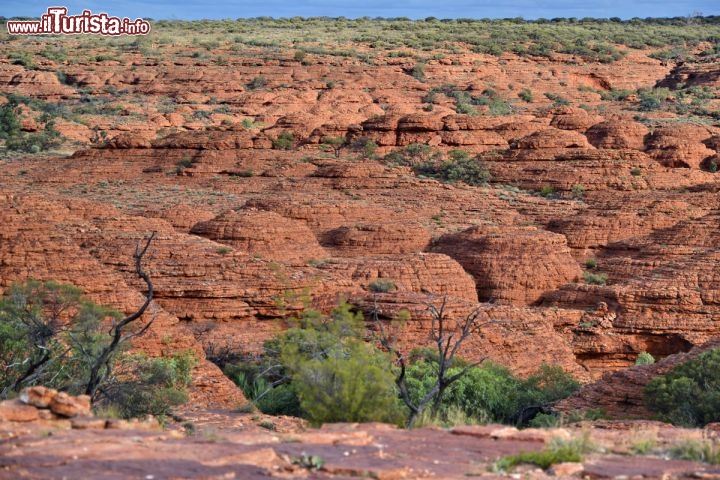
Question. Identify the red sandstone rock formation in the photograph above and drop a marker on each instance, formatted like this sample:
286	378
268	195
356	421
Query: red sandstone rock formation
512	265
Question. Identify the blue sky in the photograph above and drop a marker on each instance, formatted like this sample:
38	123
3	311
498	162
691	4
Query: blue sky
529	9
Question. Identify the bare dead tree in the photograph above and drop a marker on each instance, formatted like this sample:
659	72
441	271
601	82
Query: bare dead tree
448	336
120	331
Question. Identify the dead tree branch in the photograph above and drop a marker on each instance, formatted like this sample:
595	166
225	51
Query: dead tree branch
102	365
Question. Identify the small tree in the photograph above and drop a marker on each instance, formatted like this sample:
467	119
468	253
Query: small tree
689	395
366	146
447	335
323	370
51	335
336	144
9	122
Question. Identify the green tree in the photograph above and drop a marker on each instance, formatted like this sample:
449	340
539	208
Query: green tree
336	144
331	372
689	395
51	335
9	122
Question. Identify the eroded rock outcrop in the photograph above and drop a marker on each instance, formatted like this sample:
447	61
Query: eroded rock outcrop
512	265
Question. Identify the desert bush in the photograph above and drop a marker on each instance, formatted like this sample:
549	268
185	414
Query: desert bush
558	100
652	99
365	146
149	386
47	335
335	144
689	395
284	141
459	167
578	191
595	278
496	105
382	285
325	371
547	191
644	358
559	451
491	393
418	72
257	83
9	121
697	451
22	58
525	95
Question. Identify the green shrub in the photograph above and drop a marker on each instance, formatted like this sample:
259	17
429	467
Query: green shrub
257	83
284	141
336	144
591	263
460	167
491	393
365	146
635	172
418	72
323	370
547	191
22	58
644	358
465	109
39	346
542	458
652	99
382	285
697	451
595	278
497	106
356	386
525	95
558	100
35	142
578	191
689	395
9	121
299	55
150	386
558	451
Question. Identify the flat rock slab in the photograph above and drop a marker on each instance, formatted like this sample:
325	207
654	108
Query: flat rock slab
335	451
646	467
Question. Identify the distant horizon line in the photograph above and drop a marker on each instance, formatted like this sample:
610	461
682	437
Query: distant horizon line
430	18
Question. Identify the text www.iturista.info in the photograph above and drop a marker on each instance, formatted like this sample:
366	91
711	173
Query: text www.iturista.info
57	21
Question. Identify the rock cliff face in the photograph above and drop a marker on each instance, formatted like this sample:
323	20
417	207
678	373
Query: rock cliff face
595	239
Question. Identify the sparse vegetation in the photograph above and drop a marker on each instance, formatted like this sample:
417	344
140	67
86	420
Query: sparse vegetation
594	278
382	285
525	95
284	141
257	83
557	452
459	167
